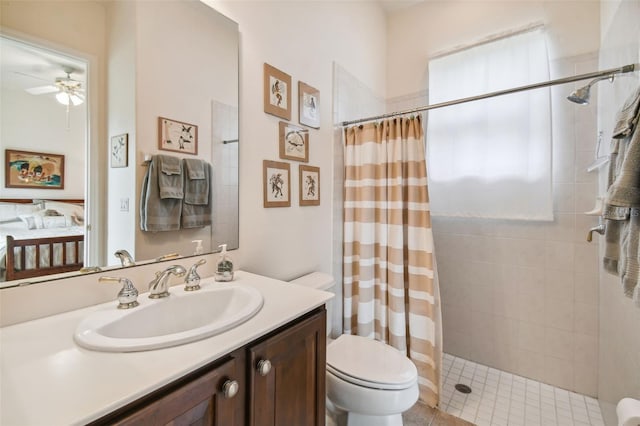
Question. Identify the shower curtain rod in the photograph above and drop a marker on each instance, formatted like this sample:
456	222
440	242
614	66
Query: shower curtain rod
610	73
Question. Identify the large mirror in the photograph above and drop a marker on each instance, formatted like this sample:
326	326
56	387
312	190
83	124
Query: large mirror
127	69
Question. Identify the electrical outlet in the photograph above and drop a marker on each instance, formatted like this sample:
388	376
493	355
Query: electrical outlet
124	204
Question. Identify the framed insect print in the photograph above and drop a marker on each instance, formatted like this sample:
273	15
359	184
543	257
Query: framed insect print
308	105
177	136
277	92
309	184
276	184
294	142
120	150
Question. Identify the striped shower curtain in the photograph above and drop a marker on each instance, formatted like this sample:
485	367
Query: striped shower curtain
390	284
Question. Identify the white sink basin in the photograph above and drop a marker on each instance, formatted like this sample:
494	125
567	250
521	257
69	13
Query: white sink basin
180	318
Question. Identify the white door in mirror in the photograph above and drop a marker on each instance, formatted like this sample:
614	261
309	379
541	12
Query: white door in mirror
183	317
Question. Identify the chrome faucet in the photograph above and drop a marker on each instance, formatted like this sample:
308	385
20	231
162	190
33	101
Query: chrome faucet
192	282
158	287
125	257
600	229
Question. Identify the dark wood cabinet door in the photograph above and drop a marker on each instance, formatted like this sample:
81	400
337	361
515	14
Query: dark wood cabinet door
201	401
287	375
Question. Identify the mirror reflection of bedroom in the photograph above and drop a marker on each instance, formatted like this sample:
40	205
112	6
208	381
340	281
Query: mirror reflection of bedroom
43	130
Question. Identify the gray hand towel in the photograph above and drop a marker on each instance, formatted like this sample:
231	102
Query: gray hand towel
170	176
624	190
627	117
629	267
198	215
157	214
196	183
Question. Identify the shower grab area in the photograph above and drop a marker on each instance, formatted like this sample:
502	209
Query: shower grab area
519	298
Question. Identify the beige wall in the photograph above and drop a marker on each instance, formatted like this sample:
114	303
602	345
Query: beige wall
418	32
121	118
19	110
519	296
303	40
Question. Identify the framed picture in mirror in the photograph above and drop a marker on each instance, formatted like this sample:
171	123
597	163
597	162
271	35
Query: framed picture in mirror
276	184
177	136
120	150
308	105
26	169
294	142
277	92
309	185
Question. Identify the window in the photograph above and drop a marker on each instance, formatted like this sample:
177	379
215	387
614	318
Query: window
491	158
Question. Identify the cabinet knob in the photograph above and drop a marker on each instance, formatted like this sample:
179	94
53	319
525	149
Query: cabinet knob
230	388
264	367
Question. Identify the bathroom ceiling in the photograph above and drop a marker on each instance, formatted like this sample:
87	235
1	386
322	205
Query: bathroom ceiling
393	5
23	67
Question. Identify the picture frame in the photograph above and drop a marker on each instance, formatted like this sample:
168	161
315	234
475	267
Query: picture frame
37	170
276	184
308	105
177	136
277	92
120	150
294	142
309	185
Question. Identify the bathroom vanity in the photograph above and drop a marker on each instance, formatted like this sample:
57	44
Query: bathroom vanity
269	370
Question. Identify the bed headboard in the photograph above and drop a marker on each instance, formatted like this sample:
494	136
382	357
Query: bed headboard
35	200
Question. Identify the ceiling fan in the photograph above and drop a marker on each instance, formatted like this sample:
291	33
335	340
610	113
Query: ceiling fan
69	91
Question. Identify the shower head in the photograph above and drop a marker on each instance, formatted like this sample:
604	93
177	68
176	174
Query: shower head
581	96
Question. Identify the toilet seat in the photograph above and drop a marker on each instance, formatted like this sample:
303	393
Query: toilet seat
369	363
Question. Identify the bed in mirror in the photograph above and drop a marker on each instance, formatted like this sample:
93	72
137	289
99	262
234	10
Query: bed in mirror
149	59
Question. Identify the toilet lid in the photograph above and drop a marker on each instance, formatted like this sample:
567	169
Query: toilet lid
370	363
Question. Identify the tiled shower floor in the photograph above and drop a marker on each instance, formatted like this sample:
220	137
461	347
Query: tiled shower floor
503	399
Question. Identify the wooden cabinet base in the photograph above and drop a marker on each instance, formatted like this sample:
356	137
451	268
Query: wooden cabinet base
287	388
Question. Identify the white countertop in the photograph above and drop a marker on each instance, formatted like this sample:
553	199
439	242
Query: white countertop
46	379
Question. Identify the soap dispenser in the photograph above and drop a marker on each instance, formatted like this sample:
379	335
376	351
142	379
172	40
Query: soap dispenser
198	244
224	268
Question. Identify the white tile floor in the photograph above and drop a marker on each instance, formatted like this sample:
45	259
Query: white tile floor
503	399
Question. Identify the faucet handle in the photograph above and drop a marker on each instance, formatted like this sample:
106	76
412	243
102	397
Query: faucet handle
192	281
128	295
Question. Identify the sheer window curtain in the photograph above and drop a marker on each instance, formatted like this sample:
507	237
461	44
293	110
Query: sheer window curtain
491	158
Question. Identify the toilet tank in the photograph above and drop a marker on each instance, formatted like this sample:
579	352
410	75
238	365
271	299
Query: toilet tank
320	281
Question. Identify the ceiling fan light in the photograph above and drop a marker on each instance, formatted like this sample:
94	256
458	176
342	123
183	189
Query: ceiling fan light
63	98
76	100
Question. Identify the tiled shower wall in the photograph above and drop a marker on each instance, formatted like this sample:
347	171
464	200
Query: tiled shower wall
518	296
523	296
224	120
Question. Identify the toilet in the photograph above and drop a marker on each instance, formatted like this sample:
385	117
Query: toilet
369	383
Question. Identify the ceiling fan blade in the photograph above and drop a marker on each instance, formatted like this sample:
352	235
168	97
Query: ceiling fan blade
41	90
31	76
